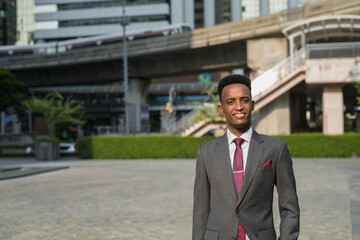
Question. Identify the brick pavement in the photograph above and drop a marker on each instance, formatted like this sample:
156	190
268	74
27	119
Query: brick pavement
152	199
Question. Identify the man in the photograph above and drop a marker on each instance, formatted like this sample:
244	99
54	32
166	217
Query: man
236	174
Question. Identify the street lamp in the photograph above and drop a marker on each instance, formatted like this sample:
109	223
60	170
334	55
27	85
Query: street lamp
124	21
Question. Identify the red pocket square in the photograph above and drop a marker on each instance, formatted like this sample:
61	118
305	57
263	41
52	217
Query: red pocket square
268	163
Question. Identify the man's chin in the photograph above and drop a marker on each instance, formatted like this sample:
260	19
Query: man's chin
241	126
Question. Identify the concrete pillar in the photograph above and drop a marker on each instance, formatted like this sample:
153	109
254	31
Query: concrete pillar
292	52
138	90
333	113
189	12
209	13
177	11
291	47
138	110
16	125
303	40
264	7
271	50
274	118
236	10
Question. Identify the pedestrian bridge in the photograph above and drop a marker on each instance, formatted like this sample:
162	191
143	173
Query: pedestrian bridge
330	66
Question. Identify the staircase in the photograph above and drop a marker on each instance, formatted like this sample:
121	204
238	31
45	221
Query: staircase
183	123
279	79
265	88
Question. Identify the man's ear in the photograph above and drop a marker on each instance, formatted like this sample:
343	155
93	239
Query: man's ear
220	109
252	105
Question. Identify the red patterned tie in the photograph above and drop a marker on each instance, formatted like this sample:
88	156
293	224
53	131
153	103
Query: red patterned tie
238	173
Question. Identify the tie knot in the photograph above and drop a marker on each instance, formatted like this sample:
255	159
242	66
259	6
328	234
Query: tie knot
239	141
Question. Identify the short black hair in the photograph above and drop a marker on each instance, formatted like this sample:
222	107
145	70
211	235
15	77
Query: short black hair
231	79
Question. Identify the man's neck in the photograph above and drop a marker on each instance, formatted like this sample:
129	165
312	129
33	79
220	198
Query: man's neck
239	131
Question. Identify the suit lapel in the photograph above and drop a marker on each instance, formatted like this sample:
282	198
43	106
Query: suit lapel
223	158
254	156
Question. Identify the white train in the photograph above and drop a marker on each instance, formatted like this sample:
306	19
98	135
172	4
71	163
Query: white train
67	45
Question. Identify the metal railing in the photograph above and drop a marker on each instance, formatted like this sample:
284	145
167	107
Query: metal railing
13	139
274	76
183	123
106	130
333	50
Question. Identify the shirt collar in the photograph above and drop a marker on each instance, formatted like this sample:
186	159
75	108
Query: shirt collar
246	136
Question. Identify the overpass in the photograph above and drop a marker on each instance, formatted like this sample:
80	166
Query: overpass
284	93
222	47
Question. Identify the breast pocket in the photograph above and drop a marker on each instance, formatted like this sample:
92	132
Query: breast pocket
264	169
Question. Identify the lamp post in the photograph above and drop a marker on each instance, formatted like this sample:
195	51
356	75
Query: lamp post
124	21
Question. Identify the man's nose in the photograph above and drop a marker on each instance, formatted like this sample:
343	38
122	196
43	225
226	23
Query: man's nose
238	105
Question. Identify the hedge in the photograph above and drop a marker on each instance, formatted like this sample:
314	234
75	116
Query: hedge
305	145
317	145
120	147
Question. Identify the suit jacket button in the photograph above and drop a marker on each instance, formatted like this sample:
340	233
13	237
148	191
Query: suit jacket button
237	211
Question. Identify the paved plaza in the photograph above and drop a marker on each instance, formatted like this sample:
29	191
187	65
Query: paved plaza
152	199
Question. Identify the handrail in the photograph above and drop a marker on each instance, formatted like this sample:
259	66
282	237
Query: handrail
274	75
184	120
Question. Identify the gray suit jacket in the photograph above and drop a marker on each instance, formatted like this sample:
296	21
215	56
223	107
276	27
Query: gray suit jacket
217	210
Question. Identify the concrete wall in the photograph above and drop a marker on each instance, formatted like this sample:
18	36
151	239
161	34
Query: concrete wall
329	70
274	118
262	54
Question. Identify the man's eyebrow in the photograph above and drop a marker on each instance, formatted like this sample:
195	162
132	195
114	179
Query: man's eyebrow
229	99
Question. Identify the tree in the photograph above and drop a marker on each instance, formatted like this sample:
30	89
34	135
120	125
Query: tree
56	110
208	112
357	85
12	92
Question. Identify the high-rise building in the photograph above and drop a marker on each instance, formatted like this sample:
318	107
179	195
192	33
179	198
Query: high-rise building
25	22
7	22
65	19
2	22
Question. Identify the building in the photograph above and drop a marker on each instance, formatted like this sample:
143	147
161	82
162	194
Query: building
7	22
25	22
63	19
303	102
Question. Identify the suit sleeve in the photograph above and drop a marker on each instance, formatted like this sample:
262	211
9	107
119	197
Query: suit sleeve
201	205
288	201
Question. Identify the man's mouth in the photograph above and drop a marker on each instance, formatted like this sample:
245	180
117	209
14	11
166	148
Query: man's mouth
239	115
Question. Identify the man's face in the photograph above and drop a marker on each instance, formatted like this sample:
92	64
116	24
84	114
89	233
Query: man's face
236	105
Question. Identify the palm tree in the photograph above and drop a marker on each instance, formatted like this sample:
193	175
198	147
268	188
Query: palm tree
208	111
56	110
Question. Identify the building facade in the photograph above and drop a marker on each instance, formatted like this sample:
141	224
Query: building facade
7	22
25	22
66	19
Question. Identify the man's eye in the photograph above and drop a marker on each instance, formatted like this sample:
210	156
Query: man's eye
230	102
245	100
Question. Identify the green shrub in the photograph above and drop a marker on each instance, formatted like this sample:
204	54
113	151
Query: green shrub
301	145
317	145
120	147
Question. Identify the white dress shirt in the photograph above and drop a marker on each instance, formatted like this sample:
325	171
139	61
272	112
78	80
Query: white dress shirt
244	147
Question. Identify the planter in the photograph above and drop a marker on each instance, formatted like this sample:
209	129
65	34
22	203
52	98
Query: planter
45	150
